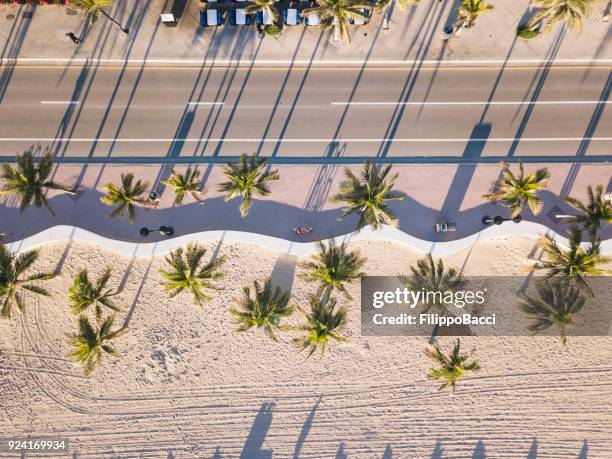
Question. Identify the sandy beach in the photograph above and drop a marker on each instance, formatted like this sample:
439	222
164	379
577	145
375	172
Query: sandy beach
189	387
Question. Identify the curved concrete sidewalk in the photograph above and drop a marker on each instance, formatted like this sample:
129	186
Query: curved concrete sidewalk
72	233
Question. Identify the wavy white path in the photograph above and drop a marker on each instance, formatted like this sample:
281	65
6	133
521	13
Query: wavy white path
72	233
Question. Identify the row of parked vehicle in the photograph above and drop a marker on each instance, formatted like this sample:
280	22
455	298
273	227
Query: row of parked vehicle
238	16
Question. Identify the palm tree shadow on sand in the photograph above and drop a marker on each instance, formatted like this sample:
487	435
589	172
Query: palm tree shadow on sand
479	451
254	442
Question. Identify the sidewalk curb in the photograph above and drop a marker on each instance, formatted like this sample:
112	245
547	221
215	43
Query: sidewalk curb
79	62
318	161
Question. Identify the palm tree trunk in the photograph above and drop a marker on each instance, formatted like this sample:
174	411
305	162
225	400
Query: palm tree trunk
325	294
124	30
70	191
434	334
65	189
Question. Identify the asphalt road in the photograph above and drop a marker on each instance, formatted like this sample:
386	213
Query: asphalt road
307	112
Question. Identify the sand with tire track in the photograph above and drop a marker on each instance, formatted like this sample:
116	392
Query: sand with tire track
188	387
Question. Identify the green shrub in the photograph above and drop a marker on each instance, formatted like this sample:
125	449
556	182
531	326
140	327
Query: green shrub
526	33
272	30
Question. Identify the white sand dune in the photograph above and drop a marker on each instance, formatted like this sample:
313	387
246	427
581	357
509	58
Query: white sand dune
188	387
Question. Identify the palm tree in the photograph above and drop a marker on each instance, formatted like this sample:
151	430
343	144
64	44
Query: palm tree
93	8
245	179
430	276
450	367
183	184
596	209
334	266
469	10
575	263
29	181
367	196
126	197
517	191
557	303
90	342
189	273
339	13
14	280
404	5
264	310
84	293
572	12
323	324
263	5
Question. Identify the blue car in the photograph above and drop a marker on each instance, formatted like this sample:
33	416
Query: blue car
313	19
210	17
292	16
360	20
264	18
239	17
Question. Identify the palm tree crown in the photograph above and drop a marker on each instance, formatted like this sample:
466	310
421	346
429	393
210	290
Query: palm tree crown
14	280
576	262
469	10
334	266
189	273
450	367
404	5
84	293
93	7
556	304
594	211
572	12
338	13
261	5
367	196
126	197
29	181
430	276
245	179
323	324
263	310
183	184
517	191
90	343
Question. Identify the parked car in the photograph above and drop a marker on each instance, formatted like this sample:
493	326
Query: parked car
238	16
313	19
211	16
292	16
445	227
264	18
359	20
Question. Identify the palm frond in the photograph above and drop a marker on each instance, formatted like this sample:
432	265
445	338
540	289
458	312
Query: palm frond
450	368
246	179
187	272
368	196
265	309
323	324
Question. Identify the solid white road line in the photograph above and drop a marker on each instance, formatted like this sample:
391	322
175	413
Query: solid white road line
289	140
318	62
205	103
480	103
60	102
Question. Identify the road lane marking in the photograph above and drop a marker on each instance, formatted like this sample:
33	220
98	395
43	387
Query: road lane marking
289	140
202	62
296	67
479	103
60	102
337	160
206	103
